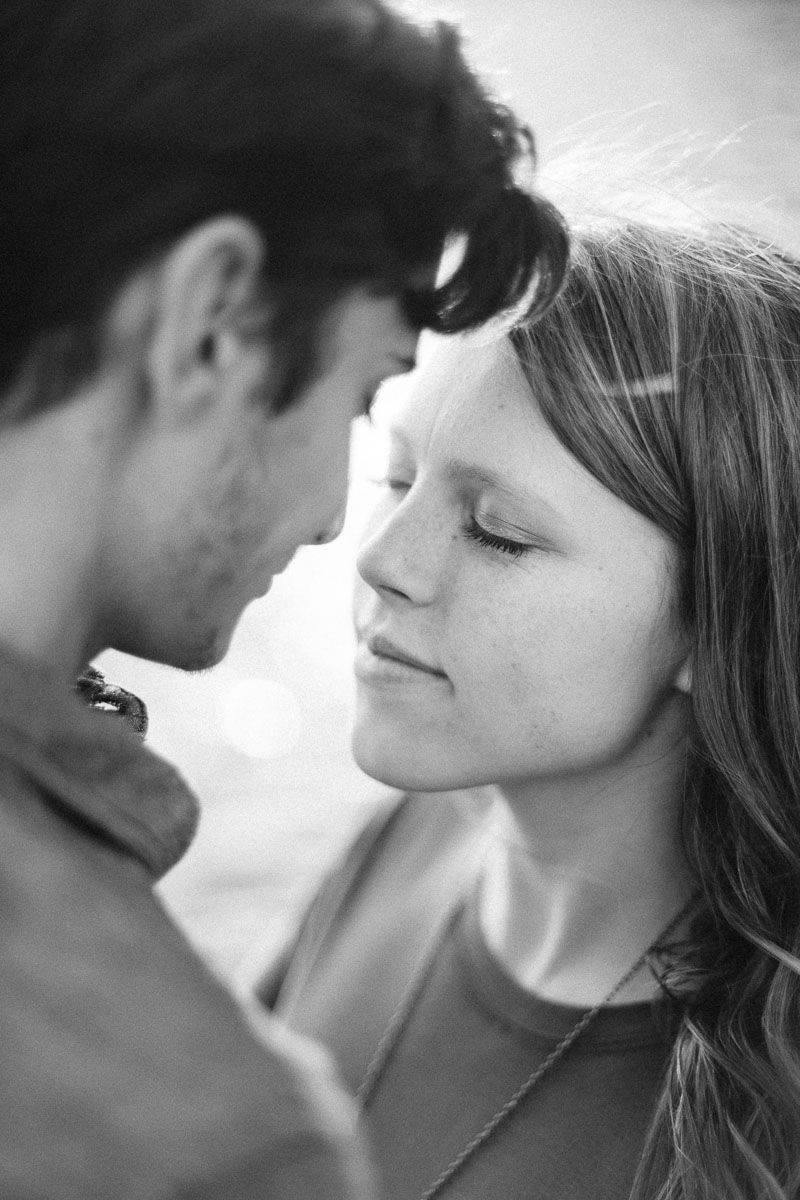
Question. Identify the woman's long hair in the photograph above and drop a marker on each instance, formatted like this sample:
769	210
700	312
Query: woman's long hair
670	367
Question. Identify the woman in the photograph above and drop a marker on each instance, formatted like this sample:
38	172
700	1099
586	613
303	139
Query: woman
573	971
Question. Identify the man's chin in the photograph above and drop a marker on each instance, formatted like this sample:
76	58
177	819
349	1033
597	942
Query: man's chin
198	655
187	646
206	657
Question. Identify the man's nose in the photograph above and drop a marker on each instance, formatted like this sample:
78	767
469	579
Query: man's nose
331	530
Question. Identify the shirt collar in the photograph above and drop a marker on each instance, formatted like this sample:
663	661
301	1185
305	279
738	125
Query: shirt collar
93	766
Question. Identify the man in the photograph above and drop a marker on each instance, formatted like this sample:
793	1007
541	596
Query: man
219	228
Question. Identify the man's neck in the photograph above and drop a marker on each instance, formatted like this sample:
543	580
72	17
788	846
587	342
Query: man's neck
51	505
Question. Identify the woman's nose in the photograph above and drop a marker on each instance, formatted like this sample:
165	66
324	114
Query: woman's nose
398	558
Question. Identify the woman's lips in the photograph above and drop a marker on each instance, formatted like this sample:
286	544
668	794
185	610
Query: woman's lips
378	658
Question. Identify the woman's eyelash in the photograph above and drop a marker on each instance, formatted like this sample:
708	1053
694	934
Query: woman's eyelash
493	541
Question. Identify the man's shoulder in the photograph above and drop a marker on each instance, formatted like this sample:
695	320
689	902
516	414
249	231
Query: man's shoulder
133	1070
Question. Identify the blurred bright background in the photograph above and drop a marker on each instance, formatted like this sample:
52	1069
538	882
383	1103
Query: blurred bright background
264	737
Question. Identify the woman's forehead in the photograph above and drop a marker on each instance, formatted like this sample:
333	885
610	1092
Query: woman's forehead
462	382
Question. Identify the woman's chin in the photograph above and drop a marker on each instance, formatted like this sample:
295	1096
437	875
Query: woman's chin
386	763
399	762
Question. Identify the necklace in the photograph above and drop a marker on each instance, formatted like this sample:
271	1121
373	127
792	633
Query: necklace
392	1034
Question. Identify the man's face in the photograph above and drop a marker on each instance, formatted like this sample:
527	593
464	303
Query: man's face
221	506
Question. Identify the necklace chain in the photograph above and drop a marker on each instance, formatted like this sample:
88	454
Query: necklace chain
393	1033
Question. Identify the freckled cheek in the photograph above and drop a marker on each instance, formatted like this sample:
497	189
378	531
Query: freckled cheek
545	652
489	668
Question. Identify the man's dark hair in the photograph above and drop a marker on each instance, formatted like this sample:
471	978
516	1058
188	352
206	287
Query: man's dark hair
357	141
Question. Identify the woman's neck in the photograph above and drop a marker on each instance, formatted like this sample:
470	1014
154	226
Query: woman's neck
568	905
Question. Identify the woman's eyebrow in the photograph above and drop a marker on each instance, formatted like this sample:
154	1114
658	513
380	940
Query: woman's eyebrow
465	472
459	471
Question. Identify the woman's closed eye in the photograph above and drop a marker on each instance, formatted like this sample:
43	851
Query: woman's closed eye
400	483
496	541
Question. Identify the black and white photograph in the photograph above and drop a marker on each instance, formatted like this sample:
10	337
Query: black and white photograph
400	600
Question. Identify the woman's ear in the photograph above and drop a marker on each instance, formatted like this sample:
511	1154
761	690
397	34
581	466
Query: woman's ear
207	293
683	679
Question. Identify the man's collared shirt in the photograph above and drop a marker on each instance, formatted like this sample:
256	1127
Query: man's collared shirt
126	1070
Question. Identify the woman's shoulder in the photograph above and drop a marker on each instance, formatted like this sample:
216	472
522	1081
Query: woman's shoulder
415	852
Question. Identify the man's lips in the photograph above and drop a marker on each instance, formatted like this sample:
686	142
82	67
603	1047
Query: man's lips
382	647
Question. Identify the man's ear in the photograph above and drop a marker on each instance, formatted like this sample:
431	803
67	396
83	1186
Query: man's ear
207	295
683	679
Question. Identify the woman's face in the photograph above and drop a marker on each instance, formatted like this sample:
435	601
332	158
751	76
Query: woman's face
516	620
